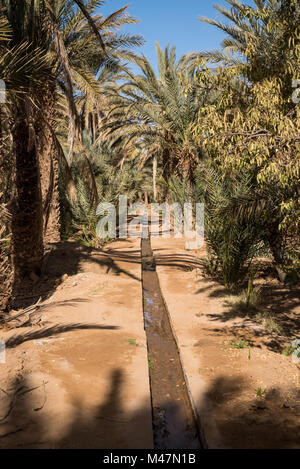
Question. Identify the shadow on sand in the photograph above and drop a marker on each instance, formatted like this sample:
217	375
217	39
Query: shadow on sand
254	423
69	259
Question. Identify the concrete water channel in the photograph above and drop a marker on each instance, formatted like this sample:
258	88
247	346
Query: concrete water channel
174	422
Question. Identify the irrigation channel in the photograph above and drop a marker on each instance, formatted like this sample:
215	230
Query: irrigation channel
174	422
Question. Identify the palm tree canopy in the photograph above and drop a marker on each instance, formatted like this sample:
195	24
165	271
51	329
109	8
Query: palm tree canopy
261	41
154	113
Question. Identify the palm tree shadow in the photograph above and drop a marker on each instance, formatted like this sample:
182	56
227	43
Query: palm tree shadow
262	423
276	302
54	330
233	420
186	262
69	259
109	426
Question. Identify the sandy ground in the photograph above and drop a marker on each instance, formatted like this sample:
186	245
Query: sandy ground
223	380
79	377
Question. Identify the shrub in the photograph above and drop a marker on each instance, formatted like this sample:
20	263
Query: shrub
232	238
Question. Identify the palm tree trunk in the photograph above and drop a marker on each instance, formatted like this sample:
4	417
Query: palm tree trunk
167	165
27	221
154	178
275	241
46	149
146	198
5	253
278	261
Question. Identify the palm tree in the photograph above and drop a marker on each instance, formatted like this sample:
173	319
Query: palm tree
84	60
262	41
44	38
153	115
84	72
262	46
25	69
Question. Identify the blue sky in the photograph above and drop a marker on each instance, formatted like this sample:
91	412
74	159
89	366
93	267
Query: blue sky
172	21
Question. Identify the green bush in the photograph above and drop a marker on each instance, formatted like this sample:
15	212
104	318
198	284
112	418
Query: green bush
232	238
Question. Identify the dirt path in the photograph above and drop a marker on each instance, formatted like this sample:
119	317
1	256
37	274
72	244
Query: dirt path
79	379
224	380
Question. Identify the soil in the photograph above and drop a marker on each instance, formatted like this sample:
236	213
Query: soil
77	372
78	378
244	398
